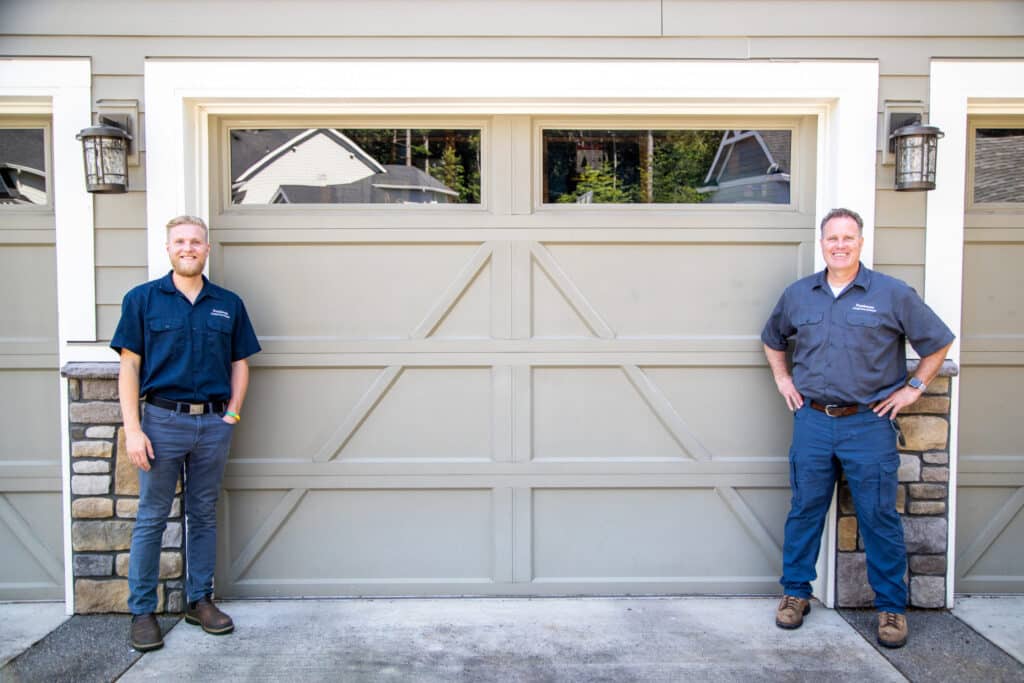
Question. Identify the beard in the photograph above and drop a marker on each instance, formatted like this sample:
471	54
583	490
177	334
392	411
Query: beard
188	268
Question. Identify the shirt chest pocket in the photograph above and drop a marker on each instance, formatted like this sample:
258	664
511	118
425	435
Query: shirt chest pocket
218	339
866	332
166	337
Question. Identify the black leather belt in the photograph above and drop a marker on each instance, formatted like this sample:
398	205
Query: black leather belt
187	408
841	410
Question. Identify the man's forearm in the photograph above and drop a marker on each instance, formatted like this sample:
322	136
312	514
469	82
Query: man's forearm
128	391
930	365
777	362
239	385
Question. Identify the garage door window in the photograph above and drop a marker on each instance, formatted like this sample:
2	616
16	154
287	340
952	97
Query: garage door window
23	179
327	165
998	174
715	166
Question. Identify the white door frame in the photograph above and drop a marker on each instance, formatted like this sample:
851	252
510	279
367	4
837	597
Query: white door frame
182	94
959	88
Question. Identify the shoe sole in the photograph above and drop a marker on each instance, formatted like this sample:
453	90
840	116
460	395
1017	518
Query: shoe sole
892	644
791	627
213	631
147	648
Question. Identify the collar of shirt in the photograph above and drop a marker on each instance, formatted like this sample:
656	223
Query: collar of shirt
863	279
167	286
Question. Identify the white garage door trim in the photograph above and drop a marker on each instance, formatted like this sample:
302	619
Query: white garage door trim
181	95
62	88
958	89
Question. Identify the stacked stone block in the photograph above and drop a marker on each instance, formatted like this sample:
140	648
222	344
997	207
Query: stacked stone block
922	499
104	499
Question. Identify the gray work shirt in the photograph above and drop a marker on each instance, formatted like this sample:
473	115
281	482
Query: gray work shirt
851	348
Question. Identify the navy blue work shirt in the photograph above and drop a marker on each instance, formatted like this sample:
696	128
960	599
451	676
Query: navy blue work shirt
187	349
851	348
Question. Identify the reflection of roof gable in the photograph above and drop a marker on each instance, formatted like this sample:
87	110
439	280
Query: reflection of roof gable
305	136
999	175
760	152
363	191
23	147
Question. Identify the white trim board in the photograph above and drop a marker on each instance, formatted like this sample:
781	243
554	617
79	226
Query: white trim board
958	89
182	94
62	88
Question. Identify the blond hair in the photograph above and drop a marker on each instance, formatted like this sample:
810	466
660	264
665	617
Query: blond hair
189	220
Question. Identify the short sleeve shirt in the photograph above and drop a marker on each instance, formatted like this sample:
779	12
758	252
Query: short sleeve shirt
186	348
851	348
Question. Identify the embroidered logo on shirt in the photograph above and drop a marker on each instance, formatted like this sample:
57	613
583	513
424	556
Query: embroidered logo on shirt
224	314
865	307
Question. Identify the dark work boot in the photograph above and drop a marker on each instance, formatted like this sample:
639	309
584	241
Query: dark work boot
204	613
145	633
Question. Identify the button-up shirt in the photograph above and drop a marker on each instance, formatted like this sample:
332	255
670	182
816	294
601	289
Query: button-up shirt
851	348
186	348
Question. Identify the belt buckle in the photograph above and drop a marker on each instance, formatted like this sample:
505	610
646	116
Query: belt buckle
196	408
828	409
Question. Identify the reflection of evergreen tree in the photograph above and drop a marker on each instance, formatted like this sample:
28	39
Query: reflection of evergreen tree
448	155
602	182
450	171
681	161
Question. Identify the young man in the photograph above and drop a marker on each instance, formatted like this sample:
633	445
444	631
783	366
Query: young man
183	343
849	382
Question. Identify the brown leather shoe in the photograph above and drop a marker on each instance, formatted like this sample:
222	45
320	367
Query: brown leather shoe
204	613
892	629
791	611
145	633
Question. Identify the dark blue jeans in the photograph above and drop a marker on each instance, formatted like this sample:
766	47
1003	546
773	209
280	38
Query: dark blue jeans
200	443
864	447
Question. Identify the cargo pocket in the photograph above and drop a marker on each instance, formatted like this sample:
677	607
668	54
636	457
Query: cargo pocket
888	482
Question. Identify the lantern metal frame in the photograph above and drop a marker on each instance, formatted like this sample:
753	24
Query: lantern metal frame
916	152
105	155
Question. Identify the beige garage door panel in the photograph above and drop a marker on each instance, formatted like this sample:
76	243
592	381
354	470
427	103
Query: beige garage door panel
359	537
30	478
670	289
990	491
507	416
683	536
355	291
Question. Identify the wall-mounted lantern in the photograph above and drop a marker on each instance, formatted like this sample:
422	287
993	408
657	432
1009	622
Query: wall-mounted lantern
915	149
105	150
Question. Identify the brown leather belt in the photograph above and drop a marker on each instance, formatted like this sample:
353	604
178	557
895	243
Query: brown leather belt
836	410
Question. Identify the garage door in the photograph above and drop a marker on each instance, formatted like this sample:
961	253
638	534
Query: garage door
30	477
522	395
990	515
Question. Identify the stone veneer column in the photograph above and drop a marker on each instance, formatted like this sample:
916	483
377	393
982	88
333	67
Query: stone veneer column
104	499
921	499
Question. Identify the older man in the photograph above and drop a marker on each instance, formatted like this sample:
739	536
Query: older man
183	343
848	383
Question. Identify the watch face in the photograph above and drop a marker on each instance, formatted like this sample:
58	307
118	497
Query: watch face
916	383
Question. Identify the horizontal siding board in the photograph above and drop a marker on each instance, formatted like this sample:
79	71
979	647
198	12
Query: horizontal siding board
112	283
912	275
899	246
899	209
831	17
107	316
120	211
902	88
896	56
122	87
368	18
126	248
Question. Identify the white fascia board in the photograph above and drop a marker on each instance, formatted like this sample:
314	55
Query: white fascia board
62	88
958	89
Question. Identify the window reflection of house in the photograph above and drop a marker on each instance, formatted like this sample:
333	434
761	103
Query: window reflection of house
324	166
394	185
750	166
22	164
998	172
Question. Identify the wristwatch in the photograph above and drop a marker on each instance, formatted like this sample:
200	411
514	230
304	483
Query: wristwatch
915	383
